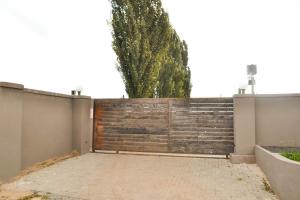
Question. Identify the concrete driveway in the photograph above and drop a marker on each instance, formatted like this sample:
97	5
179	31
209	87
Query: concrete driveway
139	177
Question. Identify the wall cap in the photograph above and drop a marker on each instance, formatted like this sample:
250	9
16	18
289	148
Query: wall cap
266	95
81	97
41	92
12	85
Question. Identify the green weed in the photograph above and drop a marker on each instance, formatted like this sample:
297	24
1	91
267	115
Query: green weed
292	155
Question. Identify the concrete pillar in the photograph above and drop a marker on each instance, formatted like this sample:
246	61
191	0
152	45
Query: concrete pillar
244	129
81	123
11	108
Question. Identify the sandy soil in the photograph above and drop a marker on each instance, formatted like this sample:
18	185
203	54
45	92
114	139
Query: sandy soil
135	177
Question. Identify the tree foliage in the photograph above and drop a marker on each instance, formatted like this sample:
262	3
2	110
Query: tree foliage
150	56
174	77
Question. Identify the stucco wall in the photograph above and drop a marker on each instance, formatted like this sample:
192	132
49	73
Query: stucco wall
282	173
244	125
10	131
47	127
266	120
278	120
81	131
38	125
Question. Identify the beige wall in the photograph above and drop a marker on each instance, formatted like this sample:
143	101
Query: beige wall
282	173
47	127
38	125
10	130
278	120
244	125
81	131
266	120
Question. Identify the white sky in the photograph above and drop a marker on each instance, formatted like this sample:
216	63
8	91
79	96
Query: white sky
60	44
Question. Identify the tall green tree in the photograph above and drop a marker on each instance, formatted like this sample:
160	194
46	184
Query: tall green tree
187	86
141	35
174	77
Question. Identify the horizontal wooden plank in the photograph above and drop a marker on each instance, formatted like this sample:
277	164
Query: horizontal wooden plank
112	118
198	120
163	136
203	100
120	130
224	124
200	127
131	101
198	113
136	143
131	113
202	109
132	106
109	109
131	139
202	117
203	143
200	138
162	149
212	133
197	105
195	150
138	124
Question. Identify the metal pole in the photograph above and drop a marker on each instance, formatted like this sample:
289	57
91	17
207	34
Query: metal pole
253	83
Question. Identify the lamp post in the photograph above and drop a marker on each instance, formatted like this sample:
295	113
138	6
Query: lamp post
251	71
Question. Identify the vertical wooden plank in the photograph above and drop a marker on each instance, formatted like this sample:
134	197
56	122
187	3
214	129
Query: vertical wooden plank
94	127
169	123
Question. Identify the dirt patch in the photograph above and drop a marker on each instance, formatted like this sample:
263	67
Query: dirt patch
14	194
114	176
44	164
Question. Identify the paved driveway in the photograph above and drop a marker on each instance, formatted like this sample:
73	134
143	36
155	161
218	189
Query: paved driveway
137	177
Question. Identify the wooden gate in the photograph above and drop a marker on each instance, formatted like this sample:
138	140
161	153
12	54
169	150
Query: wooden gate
197	125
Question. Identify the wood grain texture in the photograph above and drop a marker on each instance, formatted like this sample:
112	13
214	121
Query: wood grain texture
198	125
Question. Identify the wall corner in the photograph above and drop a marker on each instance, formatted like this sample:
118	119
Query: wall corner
244	129
81	124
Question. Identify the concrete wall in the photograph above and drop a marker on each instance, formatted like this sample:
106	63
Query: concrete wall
267	120
11	105
81	125
37	125
244	129
47	127
282	173
278	120
244	124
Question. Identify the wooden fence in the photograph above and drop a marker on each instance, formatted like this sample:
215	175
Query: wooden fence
200	126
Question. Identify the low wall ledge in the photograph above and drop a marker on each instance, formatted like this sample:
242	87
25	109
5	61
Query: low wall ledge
266	95
81	97
12	85
278	156
41	92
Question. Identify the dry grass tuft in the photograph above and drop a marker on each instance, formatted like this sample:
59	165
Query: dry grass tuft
34	196
267	186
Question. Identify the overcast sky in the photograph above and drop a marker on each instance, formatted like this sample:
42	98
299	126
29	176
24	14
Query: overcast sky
58	45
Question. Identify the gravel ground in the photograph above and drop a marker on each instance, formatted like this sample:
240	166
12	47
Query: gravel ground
135	177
